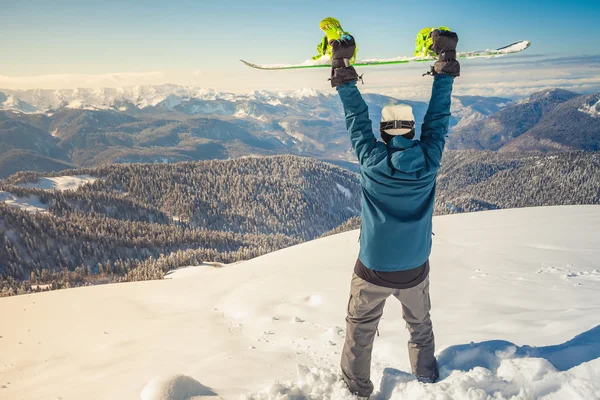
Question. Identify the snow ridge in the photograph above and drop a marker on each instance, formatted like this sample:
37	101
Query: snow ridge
141	96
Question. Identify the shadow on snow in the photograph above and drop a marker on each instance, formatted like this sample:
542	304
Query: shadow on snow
582	348
464	357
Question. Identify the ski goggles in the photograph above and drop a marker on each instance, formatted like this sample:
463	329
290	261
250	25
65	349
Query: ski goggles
383	126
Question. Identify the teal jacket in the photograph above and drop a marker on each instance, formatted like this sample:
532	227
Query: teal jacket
398	181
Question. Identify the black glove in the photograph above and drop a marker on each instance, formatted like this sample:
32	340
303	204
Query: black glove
341	52
444	44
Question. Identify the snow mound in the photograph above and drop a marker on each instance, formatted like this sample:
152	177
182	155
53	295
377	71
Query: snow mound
490	354
175	387
513	379
318	383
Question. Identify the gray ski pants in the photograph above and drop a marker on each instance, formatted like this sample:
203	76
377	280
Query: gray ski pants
365	308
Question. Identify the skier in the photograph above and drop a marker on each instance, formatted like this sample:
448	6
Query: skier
398	185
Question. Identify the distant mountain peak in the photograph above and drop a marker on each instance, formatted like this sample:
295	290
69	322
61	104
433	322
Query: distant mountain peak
306	92
559	95
11	102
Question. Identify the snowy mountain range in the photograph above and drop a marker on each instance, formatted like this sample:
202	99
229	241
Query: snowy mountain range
49	129
167	123
166	96
199	101
515	311
551	120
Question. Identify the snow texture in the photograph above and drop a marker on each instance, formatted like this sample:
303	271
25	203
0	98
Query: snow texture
592	108
344	190
515	297
522	379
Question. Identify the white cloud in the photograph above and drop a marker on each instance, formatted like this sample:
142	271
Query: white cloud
71	81
513	79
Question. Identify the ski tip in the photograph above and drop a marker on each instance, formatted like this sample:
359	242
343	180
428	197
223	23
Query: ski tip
251	65
517	46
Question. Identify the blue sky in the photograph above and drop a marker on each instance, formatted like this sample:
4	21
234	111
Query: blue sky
200	42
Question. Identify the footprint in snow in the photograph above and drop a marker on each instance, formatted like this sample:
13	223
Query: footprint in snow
482	275
295	320
335	331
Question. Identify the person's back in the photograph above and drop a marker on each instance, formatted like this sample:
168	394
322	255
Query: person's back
398	183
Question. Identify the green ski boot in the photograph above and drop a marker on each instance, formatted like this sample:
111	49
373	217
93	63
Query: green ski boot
423	42
333	31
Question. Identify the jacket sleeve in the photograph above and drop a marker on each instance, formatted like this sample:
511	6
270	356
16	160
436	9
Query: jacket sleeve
358	122
437	118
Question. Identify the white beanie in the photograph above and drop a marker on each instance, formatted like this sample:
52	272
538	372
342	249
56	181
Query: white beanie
398	118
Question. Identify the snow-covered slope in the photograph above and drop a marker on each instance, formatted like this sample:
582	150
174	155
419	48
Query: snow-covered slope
33	203
592	107
11	102
29	203
468	109
517	278
60	182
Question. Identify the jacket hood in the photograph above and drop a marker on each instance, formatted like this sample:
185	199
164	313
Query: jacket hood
406	155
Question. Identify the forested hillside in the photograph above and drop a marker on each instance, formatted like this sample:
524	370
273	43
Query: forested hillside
477	181
225	211
138	221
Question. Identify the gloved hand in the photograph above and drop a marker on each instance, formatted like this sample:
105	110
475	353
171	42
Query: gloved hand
444	45
341	52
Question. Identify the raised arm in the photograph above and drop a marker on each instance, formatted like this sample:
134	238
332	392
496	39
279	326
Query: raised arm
437	118
344	78
358	123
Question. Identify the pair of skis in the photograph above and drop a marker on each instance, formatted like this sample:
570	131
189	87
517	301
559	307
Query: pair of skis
325	61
